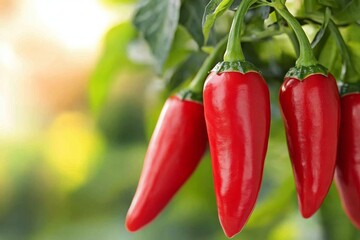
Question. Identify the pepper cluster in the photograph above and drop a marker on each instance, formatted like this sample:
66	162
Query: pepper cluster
322	131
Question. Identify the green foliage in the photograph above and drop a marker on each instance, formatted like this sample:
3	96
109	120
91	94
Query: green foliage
330	57
348	12
180	34
157	21
344	11
353	42
213	10
113	59
172	29
190	18
320	34
186	70
75	178
182	45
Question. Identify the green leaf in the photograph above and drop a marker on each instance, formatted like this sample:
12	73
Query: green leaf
352	38
344	11
311	6
186	70
349	14
191	18
113	58
329	3
183	45
235	5
330	57
257	7
320	44
213	10
322	30
254	21
265	12
157	20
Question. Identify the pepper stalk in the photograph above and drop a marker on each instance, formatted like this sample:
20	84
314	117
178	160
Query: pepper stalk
306	56
233	50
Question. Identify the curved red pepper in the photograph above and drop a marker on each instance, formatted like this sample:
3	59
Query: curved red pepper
311	112
348	162
175	149
237	114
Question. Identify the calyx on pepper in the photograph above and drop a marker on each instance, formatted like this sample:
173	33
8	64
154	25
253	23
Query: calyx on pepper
235	66
302	72
190	95
348	88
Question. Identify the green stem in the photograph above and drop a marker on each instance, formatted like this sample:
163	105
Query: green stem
290	32
197	83
292	36
233	50
306	56
350	74
260	35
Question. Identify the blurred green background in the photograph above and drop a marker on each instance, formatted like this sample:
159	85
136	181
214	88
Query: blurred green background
78	102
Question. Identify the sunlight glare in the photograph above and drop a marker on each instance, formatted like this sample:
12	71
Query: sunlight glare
78	24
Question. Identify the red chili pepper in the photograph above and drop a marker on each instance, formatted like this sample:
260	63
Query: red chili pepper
175	149
348	162
310	108
237	114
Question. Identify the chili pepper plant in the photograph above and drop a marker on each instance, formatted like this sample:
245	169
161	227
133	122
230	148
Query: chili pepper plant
238	79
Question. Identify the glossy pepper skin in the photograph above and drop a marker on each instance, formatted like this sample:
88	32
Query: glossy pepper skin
348	162
311	112
237	114
175	149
